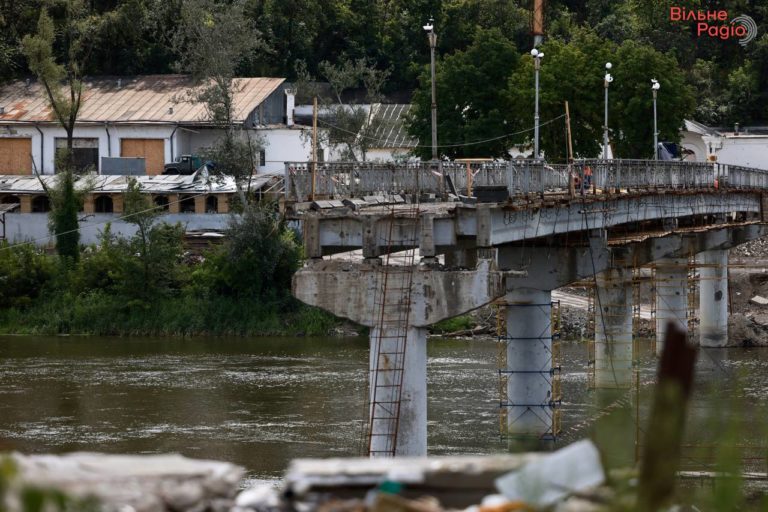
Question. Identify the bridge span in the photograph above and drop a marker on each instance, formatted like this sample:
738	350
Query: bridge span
465	235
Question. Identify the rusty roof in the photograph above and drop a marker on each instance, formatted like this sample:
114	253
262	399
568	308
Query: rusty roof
138	99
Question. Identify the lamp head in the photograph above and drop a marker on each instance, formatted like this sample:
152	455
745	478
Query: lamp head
608	78
534	53
429	27
608	65
655	85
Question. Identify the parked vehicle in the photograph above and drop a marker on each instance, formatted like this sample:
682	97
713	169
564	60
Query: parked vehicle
185	164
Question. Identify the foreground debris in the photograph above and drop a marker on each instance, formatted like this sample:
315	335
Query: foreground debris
125	483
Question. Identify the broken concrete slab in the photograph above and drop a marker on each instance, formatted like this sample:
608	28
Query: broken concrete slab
759	300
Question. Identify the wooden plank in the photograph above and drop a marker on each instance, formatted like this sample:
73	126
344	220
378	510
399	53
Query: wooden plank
16	156
152	150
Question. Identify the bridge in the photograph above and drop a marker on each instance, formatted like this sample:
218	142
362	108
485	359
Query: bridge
398	248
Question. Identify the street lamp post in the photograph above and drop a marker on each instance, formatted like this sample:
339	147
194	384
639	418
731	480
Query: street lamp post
606	82
655	86
432	37
537	56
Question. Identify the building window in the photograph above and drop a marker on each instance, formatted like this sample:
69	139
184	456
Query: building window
103	204
85	153
320	155
187	204
211	204
162	202
262	157
41	204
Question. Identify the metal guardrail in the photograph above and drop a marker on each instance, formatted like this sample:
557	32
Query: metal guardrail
520	177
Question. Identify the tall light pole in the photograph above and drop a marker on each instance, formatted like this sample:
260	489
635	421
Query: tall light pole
655	86
432	37
606	82
537	56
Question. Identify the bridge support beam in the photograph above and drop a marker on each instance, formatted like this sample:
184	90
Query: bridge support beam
411	436
529	363
671	297
713	298
613	329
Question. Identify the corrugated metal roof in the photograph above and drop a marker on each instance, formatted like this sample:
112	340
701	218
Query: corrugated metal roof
176	184
150	98
391	131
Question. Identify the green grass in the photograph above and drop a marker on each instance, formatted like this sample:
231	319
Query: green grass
97	313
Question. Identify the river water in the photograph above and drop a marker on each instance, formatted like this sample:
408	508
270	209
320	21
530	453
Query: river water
261	402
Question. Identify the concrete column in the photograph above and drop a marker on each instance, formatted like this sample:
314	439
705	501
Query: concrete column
200	204
713	298
25	204
412	426
223	203
173	203
613	329
671	297
529	362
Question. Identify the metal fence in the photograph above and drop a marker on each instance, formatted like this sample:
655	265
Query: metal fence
340	180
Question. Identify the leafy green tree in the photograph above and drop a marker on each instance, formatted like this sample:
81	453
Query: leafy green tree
570	72
257	260
351	128
212	39
471	103
632	101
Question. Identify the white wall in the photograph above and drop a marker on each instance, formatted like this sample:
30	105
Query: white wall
746	150
694	142
43	158
282	144
21	227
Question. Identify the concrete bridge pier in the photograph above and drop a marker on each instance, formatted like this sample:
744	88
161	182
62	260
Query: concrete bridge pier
613	329
412	431
713	298
671	297
529	362
354	291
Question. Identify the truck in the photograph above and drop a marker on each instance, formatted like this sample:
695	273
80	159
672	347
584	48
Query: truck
184	164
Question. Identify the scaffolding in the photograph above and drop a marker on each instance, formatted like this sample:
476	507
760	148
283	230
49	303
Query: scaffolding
553	375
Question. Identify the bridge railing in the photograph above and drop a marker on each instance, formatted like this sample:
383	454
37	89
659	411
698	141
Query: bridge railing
520	177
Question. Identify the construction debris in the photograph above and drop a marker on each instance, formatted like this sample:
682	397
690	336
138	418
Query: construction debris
759	300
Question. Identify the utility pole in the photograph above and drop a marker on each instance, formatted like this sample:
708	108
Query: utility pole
537	56
655	86
606	82
314	146
432	37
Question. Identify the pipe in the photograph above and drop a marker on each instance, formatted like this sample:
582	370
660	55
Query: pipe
172	134
109	138
42	149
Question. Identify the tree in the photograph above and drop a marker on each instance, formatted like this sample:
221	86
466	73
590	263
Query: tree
65	103
471	102
632	101
355	86
211	40
570	72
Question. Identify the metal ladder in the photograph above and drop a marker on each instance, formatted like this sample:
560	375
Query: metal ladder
389	338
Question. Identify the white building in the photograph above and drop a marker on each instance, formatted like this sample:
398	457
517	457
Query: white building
149	117
746	147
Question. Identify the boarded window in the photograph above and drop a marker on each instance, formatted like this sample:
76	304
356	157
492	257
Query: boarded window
262	157
103	204
85	153
15	156
40	204
151	150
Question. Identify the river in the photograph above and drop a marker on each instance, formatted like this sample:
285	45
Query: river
261	402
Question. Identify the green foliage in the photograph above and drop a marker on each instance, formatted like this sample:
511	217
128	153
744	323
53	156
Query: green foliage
24	273
470	103
455	324
257	261
66	202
